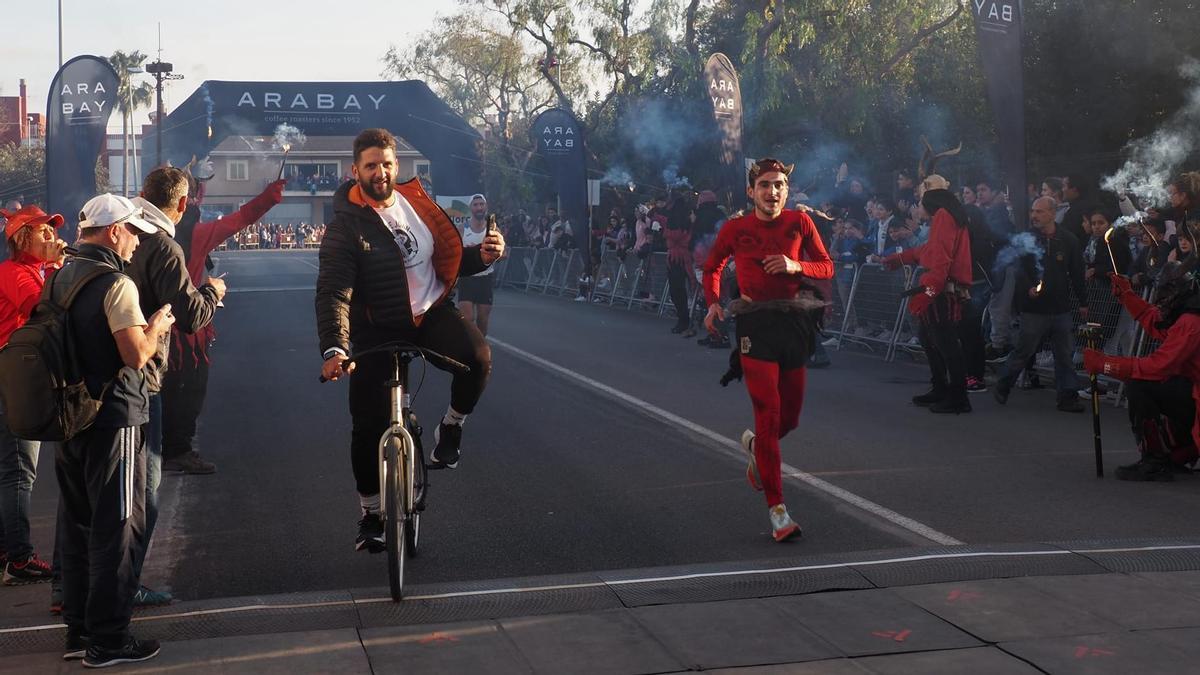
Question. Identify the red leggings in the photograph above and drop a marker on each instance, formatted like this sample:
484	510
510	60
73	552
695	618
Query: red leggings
777	397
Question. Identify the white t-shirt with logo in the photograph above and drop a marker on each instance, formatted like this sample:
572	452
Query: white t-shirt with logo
416	244
473	238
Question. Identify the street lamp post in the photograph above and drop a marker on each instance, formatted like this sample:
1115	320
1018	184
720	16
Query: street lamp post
161	71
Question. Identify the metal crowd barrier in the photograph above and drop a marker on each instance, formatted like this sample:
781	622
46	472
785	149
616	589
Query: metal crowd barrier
874	311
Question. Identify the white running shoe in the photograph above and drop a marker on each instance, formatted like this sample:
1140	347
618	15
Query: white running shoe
752	476
782	525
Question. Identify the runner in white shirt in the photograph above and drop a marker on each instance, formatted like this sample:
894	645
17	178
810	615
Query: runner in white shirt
475	292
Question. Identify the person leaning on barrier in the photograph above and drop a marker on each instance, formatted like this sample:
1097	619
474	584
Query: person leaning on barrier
35	252
1163	387
102	470
946	259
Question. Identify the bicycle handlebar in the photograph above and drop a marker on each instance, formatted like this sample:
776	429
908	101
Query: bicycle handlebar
402	347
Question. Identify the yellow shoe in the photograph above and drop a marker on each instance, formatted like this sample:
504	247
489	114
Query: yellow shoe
782	525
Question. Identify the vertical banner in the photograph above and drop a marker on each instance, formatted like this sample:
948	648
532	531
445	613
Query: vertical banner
82	96
998	29
559	140
725	95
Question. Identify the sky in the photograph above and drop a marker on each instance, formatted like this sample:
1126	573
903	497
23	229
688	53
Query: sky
296	40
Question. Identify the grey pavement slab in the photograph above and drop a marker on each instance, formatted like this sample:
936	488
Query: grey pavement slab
601	642
860	623
733	633
976	661
1116	653
1131	601
997	610
1178	582
476	647
828	667
704	588
1184	640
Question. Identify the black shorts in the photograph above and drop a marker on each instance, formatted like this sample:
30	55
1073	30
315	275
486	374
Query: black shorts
477	290
783	337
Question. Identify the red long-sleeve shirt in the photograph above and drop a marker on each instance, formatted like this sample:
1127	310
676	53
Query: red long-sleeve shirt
192	348
947	254
750	240
1179	353
21	283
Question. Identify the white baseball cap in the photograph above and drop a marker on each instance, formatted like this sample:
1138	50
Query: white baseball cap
108	209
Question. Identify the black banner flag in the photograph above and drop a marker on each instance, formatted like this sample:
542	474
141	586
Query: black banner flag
998	28
559	140
725	95
82	96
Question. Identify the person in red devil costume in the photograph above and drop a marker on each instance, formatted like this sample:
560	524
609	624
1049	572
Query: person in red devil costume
776	318
946	259
1163	387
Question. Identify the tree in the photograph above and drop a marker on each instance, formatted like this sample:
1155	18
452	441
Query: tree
22	173
130	98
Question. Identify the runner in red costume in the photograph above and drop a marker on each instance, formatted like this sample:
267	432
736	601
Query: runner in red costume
774	250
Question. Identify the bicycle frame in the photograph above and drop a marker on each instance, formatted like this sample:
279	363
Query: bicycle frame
400	402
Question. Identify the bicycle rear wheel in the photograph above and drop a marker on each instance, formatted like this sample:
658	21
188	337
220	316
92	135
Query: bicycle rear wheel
394	516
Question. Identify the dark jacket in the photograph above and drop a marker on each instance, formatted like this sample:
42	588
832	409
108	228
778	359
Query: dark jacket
159	270
1073	220
362	286
1063	272
122	391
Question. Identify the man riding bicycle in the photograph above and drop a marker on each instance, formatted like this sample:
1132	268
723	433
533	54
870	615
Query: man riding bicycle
388	264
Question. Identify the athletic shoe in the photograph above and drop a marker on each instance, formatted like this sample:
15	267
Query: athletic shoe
720	344
752	476
689	333
679	328
996	355
75	647
782	525
132	651
190	463
144	597
705	341
447	438
581	298
975	385
1086	392
32	570
1071	405
1150	469
930	397
830	342
1030	380
370	534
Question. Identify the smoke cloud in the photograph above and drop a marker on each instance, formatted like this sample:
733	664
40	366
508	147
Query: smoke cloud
1019	246
1154	160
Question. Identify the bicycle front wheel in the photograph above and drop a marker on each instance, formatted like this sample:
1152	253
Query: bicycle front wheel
394	516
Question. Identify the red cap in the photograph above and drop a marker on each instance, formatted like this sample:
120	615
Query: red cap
28	215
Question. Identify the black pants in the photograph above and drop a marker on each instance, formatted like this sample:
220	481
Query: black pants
970	334
677	280
939	338
183	393
443	330
1152	401
101	529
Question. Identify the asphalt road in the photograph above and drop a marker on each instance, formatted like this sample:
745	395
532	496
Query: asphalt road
559	475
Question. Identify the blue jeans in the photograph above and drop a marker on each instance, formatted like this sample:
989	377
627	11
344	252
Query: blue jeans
153	431
1034	328
18	470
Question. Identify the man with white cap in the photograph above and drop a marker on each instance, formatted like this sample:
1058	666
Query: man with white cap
102	471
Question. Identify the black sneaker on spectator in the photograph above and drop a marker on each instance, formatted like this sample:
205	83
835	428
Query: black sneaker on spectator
719	344
75	647
190	463
705	341
930	397
370	534
1030	381
32	570
447	438
1086	392
1071	405
994	355
132	651
976	385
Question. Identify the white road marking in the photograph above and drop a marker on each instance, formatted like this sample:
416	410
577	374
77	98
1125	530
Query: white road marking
636	581
733	448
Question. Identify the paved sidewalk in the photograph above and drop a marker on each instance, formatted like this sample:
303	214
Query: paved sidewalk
1087	608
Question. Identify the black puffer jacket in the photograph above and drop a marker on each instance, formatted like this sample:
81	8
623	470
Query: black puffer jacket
362	287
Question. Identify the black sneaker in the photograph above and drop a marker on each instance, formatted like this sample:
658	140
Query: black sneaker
1148	469
720	344
76	646
32	570
370	534
996	355
929	398
1071	405
132	651
704	341
447	438
189	462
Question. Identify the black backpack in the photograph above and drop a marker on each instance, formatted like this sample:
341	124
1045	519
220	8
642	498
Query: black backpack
41	384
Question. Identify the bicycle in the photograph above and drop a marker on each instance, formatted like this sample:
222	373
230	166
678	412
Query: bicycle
403	473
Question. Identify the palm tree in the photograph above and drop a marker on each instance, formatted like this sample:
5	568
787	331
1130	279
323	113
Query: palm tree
129	99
